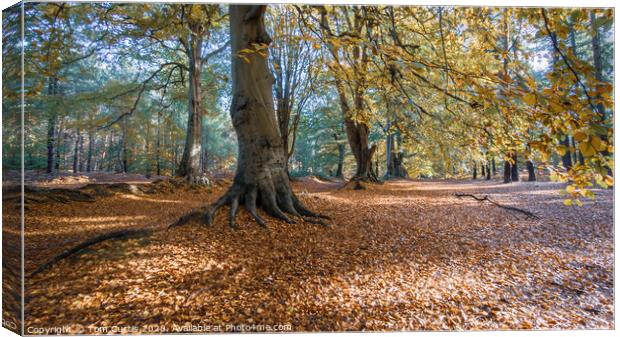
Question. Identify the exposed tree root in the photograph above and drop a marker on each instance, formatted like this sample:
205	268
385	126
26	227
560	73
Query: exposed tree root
185	219
359	183
120	234
275	198
486	198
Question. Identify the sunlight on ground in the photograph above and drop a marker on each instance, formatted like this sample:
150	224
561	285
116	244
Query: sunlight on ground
403	255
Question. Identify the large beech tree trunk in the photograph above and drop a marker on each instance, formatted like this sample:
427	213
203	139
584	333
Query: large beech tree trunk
511	169
357	133
531	172
261	179
514	168
507	172
394	157
190	161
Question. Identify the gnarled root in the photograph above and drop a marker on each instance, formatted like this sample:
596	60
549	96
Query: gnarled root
276	199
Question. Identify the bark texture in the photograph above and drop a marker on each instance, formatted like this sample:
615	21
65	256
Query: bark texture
531	172
190	161
52	89
514	167
475	172
261	178
395	157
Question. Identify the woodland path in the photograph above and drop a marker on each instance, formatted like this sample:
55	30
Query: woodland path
402	255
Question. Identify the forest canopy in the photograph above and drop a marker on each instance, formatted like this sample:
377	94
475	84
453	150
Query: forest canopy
363	92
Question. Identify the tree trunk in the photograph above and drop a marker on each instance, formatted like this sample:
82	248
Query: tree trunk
59	140
482	170
507	172
51	127
261	175
578	156
389	143
123	155
493	168
341	153
567	161
51	130
488	171
357	134
189	168
76	151
89	155
158	144
514	168
81	157
475	175
531	172
395	157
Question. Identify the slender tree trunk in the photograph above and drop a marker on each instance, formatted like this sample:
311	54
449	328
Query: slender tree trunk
76	152
493	168
389	143
158	144
283	113
123	154
475	175
578	156
482	170
51	126
190	161
147	152
261	175
531	172
488	171
81	157
341	153
51	130
89	155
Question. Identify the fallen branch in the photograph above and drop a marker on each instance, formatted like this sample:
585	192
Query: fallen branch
124	233
486	198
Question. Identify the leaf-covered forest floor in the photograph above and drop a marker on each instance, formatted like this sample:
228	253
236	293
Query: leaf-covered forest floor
402	255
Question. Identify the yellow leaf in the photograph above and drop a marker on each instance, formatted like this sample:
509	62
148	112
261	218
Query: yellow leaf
580	135
597	143
530	99
586	149
561	150
568	202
